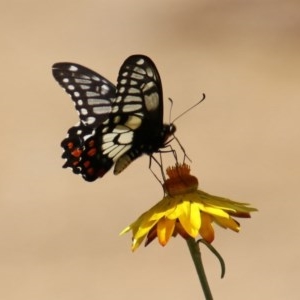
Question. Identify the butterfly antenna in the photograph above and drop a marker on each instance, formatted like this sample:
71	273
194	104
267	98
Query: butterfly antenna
183	113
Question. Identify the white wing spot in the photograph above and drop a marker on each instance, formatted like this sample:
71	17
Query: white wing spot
109	137
76	94
140	61
80	80
123	81
91	120
95	78
120	129
73	68
91	94
115	109
149	72
148	86
66	80
87	136
84	111
117	119
137	76
131	107
133	91
95	101
119	99
131	98
108	150
106	146
152	101
116	153
133	122
71	87
139	70
104	89
126	138
102	110
133	82
140	114
122	90
79	102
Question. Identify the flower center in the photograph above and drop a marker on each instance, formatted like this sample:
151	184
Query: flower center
180	181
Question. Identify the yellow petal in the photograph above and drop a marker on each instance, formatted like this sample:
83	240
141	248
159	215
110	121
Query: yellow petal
228	223
144	229
215	211
136	243
190	219
224	203
125	230
206	230
195	217
174	214
165	229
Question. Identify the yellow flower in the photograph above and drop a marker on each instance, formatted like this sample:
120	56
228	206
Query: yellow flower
186	211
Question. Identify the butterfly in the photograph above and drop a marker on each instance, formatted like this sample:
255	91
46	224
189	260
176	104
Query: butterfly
117	123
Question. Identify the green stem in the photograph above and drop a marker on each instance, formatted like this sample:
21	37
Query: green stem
196	256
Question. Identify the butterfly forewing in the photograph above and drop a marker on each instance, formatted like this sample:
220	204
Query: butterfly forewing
92	94
139	95
139	89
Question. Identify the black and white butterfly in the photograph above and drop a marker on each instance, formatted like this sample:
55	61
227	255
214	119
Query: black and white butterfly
117	123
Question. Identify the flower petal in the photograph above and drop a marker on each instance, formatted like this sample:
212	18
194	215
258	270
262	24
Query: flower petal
228	223
206	230
190	218
165	229
215	211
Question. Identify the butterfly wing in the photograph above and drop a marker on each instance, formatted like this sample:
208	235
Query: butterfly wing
117	124
140	98
134	124
92	95
139	89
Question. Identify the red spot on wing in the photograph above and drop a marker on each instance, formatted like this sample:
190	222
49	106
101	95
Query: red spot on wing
92	152
91	143
77	152
87	163
90	171
70	145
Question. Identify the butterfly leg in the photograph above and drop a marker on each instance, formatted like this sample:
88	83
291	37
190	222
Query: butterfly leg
160	166
182	149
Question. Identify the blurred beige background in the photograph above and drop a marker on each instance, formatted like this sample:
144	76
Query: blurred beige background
59	234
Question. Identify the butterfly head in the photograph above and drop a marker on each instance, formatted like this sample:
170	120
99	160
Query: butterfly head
168	131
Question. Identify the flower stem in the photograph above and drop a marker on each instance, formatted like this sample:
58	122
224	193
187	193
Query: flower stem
196	256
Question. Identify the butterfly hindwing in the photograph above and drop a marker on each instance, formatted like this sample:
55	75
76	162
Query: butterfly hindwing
74	145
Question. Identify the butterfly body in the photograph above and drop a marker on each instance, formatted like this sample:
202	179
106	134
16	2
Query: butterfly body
117	124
